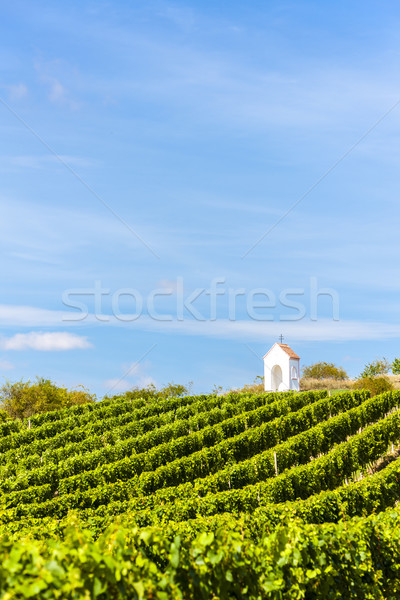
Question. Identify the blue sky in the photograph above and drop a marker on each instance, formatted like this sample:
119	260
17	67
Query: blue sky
159	151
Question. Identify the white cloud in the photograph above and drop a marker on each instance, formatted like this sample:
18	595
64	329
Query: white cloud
244	330
133	369
29	316
263	331
117	385
123	385
5	365
45	341
56	234
57	91
17	91
134	375
169	285
44	161
58	94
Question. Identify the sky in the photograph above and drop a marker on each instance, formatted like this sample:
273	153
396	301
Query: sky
183	182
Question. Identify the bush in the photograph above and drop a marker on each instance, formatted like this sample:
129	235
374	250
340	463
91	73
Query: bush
23	399
376	385
380	366
324	370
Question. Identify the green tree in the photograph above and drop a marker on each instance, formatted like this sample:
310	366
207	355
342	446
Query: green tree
23	399
380	366
4	416
257	387
324	370
173	390
396	366
150	392
217	390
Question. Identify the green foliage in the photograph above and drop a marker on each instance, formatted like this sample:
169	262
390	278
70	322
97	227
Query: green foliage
373	377
396	366
24	399
257	387
357	559
150	392
217	390
150	453
4	416
380	366
242	495
147	393
324	370
375	385
173	390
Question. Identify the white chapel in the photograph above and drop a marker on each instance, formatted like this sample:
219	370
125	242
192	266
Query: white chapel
281	369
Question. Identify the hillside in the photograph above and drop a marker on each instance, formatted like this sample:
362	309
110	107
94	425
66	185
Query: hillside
237	496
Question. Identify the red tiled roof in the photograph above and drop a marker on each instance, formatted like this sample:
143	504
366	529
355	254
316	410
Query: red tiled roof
289	351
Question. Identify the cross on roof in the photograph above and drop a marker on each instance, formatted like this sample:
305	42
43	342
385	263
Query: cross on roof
281	338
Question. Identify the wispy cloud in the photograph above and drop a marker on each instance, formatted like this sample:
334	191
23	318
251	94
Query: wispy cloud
30	228
122	385
306	94
168	285
134	374
57	92
233	88
45	341
322	330
117	385
17	91
45	161
240	329
6	365
29	316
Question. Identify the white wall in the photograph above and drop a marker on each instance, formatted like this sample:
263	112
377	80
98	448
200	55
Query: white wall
277	356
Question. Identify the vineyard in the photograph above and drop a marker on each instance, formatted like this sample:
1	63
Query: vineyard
285	495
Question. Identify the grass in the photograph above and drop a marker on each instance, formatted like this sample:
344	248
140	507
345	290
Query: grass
335	385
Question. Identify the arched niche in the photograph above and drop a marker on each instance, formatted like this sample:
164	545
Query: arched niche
276	378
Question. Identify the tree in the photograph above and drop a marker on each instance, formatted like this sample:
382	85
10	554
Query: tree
324	370
380	366
4	416
173	390
217	390
257	387
24	399
396	366
150	392
147	393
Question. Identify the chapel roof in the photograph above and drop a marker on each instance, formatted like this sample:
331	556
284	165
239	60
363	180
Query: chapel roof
286	349
289	351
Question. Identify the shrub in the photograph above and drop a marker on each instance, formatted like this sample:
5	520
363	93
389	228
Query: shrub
376	385
324	370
